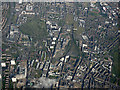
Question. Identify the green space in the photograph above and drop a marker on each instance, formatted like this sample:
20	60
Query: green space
61	22
79	30
75	48
11	84
104	15
72	47
14	18
106	58
67	48
3	82
69	19
38	75
92	13
116	67
53	77
86	4
42	56
35	28
95	10
8	11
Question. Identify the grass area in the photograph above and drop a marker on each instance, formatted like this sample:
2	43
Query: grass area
3	82
79	30
14	18
72	43
11	84
75	24
69	19
53	77
72	47
8	12
77	4
115	52
43	56
61	22
95	10
86	4
104	15
92	13
4	46
67	48
115	68
75	48
35	28
38	75
106	58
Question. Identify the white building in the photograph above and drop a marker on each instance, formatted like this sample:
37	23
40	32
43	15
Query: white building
51	47
3	64
14	79
84	37
62	59
104	8
0	76
53	43
13	62
68	30
20	1
48	22
29	7
84	45
54	39
69	77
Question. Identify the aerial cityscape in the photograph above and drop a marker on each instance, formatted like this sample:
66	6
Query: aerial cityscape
60	45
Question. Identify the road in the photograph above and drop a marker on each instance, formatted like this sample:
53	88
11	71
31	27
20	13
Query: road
79	62
4	31
87	74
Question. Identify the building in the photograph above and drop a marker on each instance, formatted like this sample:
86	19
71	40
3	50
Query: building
14	79
3	64
29	7
13	62
20	1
